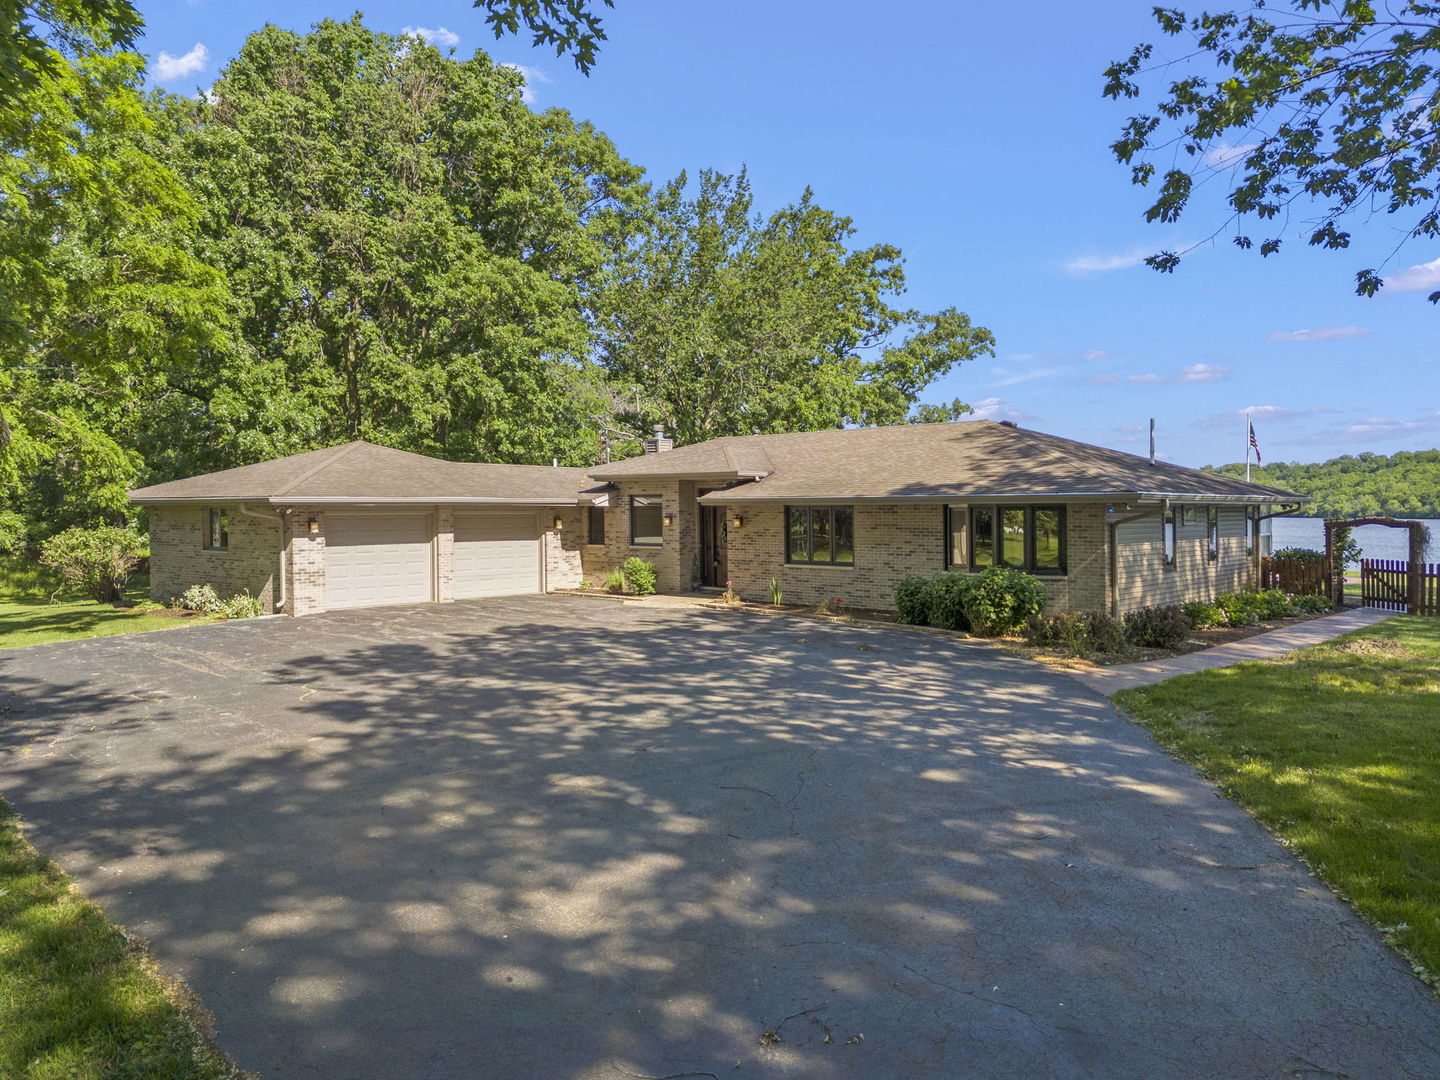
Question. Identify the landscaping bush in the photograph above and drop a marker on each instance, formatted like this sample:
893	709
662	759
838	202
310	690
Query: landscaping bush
948	593
912	600
1164	627
96	561
201	598
639	575
241	606
1001	599
615	581
1311	605
1299	554
1241	609
1203	615
1273	604
1080	633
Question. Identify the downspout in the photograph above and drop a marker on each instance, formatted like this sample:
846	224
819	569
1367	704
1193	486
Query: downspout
278	517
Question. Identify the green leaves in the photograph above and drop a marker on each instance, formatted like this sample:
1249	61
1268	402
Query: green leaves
1317	115
726	323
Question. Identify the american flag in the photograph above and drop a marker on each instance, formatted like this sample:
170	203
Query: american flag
1255	445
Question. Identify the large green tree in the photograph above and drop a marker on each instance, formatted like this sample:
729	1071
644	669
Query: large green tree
413	254
721	322
101	289
37	36
1304	112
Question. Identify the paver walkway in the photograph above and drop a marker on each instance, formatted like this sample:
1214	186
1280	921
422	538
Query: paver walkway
1109	680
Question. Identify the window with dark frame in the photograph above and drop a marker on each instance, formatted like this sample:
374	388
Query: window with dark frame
646	524
595	525
1167	536
1252	528
217	530
820	535
1212	531
1029	538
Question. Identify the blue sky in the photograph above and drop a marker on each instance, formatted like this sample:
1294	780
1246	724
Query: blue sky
976	139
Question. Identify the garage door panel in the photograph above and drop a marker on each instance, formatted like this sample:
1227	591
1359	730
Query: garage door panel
496	555
377	559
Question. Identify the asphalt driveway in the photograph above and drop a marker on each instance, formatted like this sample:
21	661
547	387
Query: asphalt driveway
558	838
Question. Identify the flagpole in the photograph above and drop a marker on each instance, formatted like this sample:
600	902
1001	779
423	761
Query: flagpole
1247	447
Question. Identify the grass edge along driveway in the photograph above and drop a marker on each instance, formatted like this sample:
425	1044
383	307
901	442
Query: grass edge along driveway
79	998
1336	750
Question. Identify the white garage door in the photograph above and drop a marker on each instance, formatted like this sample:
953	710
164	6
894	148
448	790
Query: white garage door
496	555
373	559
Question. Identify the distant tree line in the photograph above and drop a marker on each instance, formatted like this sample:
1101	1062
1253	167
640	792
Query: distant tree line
353	235
1405	484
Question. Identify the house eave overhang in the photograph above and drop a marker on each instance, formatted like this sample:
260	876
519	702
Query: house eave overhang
706	477
1143	498
352	500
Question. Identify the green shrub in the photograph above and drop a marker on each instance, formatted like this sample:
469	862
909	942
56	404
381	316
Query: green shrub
776	596
1164	627
1273	604
948	593
1311	605
639	575
912	600
1241	609
202	598
1080	633
1000	599
615	581
1203	615
1299	554
241	606
96	561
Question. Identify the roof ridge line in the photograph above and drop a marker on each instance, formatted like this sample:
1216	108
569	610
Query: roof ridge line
343	451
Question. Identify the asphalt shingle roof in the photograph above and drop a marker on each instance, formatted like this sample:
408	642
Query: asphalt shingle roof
362	470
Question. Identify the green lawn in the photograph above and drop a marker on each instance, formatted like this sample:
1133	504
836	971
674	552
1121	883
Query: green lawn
79	1001
1336	749
28	616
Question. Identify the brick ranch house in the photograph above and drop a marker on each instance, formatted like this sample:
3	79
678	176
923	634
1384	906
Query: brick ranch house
837	514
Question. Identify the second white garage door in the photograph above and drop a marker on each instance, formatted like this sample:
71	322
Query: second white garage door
496	555
373	559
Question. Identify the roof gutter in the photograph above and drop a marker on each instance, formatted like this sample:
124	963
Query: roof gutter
1149	498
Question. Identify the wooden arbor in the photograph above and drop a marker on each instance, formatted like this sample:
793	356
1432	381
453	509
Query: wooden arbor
1419	535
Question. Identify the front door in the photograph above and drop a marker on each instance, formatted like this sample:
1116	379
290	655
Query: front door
714	569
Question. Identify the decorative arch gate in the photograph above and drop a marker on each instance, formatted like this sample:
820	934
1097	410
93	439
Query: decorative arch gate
1411	586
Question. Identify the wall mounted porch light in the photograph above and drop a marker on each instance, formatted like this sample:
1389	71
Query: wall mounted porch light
736	521
313	526
669	520
559	522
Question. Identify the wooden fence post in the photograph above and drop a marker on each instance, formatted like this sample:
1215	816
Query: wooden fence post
1417	567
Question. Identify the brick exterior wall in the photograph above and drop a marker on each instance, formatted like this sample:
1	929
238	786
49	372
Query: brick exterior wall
305	562
894	542
179	558
564	549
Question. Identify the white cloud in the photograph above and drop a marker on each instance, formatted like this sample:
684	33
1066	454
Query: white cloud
440	37
1010	378
1096	354
1203	373
169	67
1223	154
1267	414
1144	378
1325	333
1375	429
994	408
1416	278
531	76
1097	264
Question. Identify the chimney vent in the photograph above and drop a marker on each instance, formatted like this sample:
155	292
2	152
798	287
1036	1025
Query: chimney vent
659	444
1009	423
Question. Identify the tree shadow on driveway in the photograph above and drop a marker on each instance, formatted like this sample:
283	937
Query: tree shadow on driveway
558	838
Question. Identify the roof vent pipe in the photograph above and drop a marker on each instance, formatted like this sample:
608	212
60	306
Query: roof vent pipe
1152	440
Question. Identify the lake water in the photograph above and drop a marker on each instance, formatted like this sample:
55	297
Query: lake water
1376	541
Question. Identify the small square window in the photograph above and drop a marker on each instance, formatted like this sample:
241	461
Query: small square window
595	525
217	530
